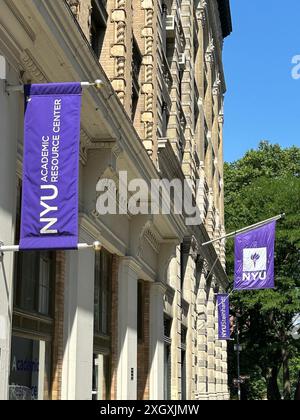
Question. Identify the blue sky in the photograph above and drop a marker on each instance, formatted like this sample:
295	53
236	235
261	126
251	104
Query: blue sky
262	100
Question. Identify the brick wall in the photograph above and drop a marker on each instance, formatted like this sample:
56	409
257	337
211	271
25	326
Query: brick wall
58	332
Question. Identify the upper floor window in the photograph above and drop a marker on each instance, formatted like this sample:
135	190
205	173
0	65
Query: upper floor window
34	282
136	68
34	275
98	25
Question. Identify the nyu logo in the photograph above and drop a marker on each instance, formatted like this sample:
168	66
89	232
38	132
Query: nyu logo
254	264
46	216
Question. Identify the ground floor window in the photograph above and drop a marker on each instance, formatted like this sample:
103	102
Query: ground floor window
167	358
167	373
101	377
30	369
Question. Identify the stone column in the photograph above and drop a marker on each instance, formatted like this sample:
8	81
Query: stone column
79	324
225	389
218	362
11	118
127	329
202	391
157	291
211	334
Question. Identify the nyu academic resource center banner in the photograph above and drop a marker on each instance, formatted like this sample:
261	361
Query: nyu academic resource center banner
223	316
254	258
49	218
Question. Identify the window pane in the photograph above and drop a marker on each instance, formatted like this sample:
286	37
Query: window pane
33	283
30	370
102	299
97	293
44	284
100	377
26	280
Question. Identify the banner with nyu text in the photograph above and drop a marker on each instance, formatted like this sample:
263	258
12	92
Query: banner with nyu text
254	258
223	316
49	218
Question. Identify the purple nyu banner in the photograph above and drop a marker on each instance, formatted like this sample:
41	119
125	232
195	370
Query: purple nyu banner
223	317
49	218
254	258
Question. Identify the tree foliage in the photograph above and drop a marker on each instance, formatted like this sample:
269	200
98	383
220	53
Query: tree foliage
264	183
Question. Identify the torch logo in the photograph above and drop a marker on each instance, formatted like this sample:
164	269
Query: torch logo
255	257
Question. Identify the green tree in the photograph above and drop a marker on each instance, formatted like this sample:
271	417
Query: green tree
262	184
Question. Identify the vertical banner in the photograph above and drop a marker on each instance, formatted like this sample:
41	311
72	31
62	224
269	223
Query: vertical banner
223	316
49	218
254	258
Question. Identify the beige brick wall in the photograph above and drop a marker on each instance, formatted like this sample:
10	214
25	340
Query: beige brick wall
197	144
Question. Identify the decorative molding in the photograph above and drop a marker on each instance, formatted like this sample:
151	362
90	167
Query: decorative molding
209	54
118	49
21	19
31	67
149	74
221	119
217	86
201	12
85	143
149	234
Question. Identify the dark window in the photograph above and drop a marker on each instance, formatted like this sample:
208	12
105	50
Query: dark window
167	327
167	358
140	311
34	275
165	119
98	25
136	68
167	373
205	147
181	74
213	164
34	282
183	362
102	295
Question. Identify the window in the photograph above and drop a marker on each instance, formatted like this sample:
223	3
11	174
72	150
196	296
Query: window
30	369
140	311
136	68
167	358
98	25
102	296
183	362
34	282
213	164
101	373
165	119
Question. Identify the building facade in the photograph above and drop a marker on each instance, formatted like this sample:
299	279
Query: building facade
138	319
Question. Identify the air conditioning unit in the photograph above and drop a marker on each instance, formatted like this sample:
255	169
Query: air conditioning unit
170	26
182	60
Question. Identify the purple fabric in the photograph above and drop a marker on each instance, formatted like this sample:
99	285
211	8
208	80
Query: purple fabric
254	259
49	218
223	316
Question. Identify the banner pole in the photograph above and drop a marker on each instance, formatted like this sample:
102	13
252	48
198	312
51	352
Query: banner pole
229	235
15	248
98	84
